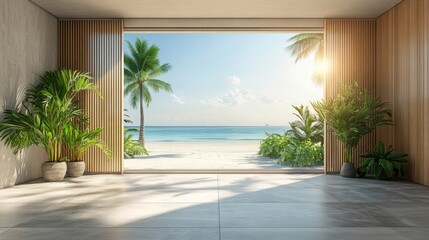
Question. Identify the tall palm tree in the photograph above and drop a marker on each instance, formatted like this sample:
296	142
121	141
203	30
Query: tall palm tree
303	45
142	67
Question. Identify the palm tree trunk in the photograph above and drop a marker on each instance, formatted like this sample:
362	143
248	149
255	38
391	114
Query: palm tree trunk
141	131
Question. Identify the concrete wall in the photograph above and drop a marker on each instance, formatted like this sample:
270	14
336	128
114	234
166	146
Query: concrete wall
28	47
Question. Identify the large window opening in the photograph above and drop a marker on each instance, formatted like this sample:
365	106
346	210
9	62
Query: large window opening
218	101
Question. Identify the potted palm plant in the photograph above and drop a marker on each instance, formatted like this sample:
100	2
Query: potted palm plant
351	114
47	109
78	142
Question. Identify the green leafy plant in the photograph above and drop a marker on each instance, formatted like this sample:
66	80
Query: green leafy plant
132	147
273	145
351	114
79	141
385	162
308	127
302	154
291	151
46	111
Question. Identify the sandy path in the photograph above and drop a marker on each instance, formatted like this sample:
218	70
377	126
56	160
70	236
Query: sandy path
202	155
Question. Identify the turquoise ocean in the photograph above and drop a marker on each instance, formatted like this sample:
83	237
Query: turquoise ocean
207	133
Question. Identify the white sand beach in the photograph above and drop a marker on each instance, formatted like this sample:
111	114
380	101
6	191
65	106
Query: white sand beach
202	155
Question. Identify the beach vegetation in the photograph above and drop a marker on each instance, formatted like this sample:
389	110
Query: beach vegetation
302	145
141	75
132	148
308	127
273	145
291	151
305	44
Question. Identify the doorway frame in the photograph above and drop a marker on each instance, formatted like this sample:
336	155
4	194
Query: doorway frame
274	25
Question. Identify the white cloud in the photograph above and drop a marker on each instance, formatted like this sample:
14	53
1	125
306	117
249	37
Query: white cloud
234	80
237	97
177	100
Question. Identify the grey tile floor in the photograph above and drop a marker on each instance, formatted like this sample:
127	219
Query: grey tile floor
215	206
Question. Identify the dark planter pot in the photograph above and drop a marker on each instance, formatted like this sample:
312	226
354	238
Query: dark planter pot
54	171
75	168
384	176
361	172
348	170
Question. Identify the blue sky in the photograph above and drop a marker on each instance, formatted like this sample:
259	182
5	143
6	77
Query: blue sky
227	79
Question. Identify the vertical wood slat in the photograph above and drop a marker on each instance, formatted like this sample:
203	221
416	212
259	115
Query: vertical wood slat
403	79
350	57
96	46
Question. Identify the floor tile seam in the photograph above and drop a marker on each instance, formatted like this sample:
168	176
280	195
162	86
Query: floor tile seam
353	227
274	202
131	227
136	203
8	229
214	202
218	208
333	227
98	227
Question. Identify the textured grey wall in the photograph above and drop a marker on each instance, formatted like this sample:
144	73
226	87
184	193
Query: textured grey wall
28	47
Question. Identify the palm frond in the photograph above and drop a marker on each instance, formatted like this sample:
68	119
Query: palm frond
146	95
158	85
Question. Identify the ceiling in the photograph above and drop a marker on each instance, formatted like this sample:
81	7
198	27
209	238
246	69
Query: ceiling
216	8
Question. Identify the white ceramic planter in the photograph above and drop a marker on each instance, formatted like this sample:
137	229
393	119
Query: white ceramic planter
54	171
75	169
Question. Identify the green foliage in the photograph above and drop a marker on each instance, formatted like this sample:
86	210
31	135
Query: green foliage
384	162
47	110
142	67
273	145
303	45
291	151
79	141
132	147
141	72
301	146
127	118
353	113
308	127
302	154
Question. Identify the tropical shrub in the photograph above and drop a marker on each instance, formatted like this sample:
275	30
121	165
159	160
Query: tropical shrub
46	111
351	114
273	145
385	162
132	147
308	127
302	154
291	151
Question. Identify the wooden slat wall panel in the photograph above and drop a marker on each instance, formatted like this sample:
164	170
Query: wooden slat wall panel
403	79
95	46
350	57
